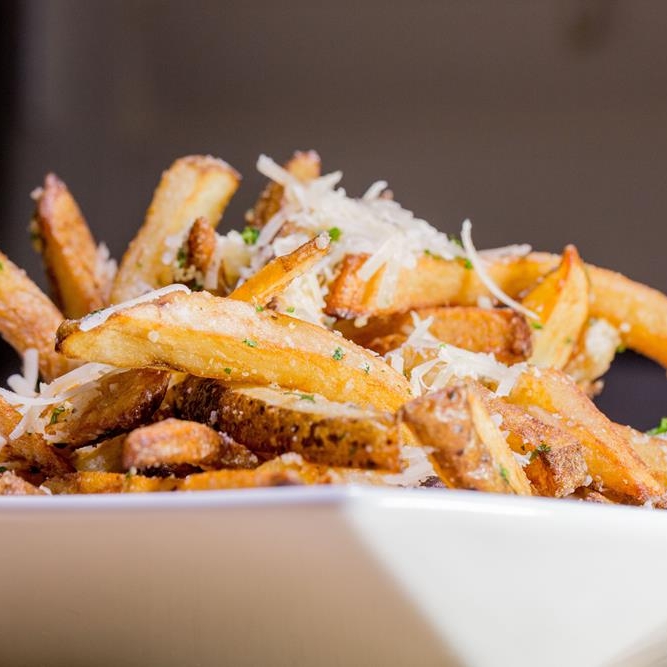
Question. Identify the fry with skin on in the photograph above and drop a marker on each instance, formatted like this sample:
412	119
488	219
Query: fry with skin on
29	319
554	398
561	301
222	338
176	444
68	251
192	187
275	276
651	450
469	451
107	456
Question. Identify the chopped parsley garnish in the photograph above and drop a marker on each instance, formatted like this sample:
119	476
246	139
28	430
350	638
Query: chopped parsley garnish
660	428
228	371
306	397
94	312
467	264
181	257
250	343
3	469
366	367
259	309
537	325
2	266
621	348
290	310
250	235
431	254
504	474
338	354
334	233
56	413
456	240
568	341
542	449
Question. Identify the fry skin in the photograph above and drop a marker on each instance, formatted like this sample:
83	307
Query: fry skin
68	251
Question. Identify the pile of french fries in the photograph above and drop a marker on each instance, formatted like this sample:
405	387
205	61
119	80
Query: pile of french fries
182	371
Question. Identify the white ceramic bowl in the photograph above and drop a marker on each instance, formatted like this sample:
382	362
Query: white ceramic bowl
330	576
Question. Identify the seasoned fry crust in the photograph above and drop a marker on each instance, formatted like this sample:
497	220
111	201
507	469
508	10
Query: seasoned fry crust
192	187
68	251
13	485
273	421
227	339
468	450
28	319
178	444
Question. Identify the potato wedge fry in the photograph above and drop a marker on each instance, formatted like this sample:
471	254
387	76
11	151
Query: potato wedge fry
193	186
107	456
275	276
29	447
556	465
468	449
613	464
500	331
305	166
13	485
651	450
561	301
223	338
107	482
69	252
175	444
116	404
28	319
274	421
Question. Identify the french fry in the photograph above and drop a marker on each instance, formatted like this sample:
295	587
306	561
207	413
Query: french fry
13	485
175	444
192	187
275	276
500	331
93	481
613	464
305	166
28	319
215	337
561	301
556	465
651	450
116	404
107	456
468	449
274	421
68	250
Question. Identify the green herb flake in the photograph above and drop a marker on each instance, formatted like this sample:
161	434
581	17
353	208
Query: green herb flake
504	474
542	449
2	266
621	348
181	257
259	309
3	469
306	397
290	310
366	367
94	312
228	371
456	240
537	325
568	341
56	413
249	343
467	264
338	354
250	235
660	428
334	233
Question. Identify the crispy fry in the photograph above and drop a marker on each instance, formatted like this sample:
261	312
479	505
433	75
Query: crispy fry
611	461
468	449
227	339
13	485
175	444
29	448
500	331
304	166
561	301
116	404
273	421
192	187
651	450
68	251
556	465
105	457
28	319
275	276
107	482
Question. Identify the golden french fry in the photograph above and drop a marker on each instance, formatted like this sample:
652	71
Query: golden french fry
175	444
192	187
28	319
499	331
305	166
468	449
76	274
651	450
614	466
222	338
275	276
561	301
93	481
105	457
273	421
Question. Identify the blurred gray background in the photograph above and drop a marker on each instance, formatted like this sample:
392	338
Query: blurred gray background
544	121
